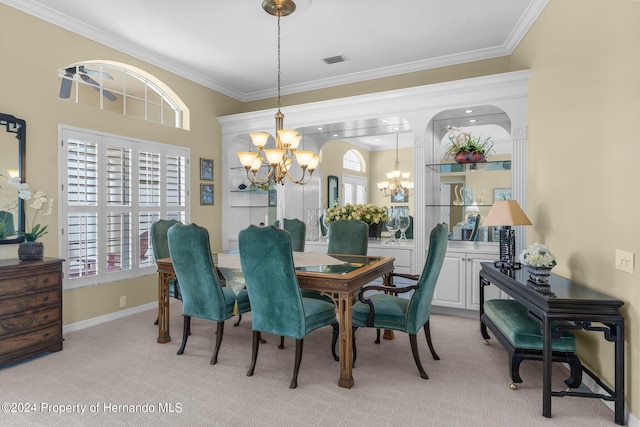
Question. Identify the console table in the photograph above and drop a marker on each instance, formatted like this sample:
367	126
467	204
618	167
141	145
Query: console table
570	306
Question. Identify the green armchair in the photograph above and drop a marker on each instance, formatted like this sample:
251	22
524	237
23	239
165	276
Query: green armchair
160	247
387	311
277	304
202	294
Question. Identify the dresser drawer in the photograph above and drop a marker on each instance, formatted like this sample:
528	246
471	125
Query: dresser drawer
28	283
31	320
25	341
29	302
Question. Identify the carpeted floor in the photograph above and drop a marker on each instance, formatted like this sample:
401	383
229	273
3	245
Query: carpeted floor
119	375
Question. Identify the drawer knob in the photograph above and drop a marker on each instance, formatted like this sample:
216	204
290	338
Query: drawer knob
46	280
46	335
46	298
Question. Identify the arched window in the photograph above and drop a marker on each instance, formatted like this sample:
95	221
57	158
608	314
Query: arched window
118	87
352	160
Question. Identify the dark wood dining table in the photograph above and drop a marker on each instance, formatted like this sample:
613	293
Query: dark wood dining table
339	279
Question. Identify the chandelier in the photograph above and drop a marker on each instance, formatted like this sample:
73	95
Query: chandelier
278	160
397	183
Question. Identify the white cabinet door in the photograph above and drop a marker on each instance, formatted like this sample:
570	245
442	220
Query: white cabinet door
451	288
473	275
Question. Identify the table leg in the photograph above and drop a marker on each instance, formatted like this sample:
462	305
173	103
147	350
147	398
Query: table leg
163	308
387	280
345	340
619	373
546	367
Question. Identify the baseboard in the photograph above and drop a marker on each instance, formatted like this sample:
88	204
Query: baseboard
108	317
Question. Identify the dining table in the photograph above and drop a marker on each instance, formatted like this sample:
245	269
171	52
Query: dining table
337	276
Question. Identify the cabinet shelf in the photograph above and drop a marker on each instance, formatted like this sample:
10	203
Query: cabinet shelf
499	165
455	206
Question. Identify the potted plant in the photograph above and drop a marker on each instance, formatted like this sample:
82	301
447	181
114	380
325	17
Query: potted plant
538	261
465	148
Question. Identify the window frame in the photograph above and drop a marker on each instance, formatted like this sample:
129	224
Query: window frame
171	202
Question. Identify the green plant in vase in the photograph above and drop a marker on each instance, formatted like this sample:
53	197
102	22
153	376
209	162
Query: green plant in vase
465	148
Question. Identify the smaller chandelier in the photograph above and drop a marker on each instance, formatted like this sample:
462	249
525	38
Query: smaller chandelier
397	183
278	159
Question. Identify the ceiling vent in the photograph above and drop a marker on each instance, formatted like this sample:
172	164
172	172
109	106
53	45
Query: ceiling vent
334	59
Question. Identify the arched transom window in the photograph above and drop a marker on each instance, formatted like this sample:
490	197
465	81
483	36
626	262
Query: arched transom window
352	160
125	89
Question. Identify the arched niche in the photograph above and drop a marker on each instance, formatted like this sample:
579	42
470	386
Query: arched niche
418	105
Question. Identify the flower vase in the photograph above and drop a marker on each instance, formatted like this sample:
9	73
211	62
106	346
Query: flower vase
539	275
29	251
375	231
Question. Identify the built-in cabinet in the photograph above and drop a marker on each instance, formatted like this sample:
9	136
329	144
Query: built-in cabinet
30	308
248	205
458	284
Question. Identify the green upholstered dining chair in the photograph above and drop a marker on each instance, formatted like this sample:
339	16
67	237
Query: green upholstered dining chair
298	231
278	306
389	311
6	223
349	237
202	294
160	248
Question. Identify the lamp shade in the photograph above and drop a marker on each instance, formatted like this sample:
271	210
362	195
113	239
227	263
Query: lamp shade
506	212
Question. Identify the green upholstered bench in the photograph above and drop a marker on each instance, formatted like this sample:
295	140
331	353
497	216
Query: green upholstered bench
520	335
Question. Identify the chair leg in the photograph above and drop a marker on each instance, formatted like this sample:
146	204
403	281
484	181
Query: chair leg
377	341
156	322
296	366
254	352
219	334
416	356
427	334
281	346
186	327
239	320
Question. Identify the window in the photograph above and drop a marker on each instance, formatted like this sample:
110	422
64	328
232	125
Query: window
354	189
122	88
352	160
113	189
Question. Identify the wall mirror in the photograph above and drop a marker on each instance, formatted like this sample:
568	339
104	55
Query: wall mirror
12	163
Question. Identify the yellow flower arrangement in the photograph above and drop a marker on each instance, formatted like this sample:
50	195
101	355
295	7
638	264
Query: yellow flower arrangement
368	213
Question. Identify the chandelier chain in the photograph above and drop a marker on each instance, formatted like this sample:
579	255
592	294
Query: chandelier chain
278	62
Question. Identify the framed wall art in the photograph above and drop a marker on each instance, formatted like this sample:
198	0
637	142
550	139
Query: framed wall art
206	194
501	194
206	170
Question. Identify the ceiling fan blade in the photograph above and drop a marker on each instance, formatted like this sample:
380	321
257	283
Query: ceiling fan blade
65	86
82	69
111	97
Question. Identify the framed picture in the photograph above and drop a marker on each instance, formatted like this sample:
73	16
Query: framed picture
273	198
501	194
206	194
206	170
399	198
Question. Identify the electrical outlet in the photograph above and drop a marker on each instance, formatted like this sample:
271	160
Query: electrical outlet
123	301
624	261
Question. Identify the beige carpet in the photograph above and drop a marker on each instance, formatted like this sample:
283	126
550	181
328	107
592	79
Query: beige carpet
112	367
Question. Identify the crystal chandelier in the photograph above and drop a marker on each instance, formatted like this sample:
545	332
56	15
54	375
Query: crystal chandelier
397	183
278	159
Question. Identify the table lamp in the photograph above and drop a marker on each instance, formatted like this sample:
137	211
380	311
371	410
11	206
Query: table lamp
505	214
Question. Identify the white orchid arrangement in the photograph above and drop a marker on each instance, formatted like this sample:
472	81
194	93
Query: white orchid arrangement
537	255
40	203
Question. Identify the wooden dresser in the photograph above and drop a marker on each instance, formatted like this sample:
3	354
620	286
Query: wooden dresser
30	308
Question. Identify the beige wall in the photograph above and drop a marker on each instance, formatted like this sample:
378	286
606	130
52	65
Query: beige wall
582	155
582	152
32	51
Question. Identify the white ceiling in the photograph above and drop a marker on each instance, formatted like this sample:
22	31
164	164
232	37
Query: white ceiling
231	46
